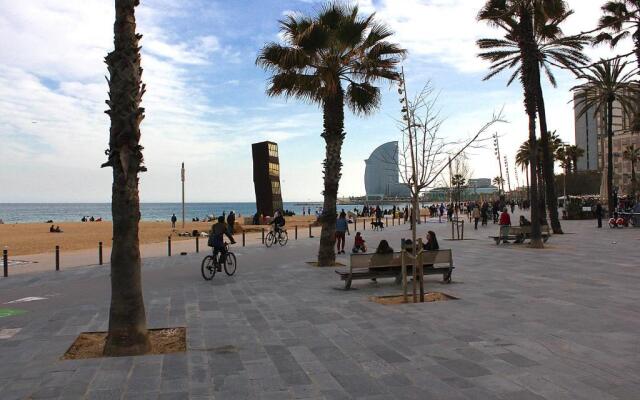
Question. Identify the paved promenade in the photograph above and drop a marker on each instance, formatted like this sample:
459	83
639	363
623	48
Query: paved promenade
559	323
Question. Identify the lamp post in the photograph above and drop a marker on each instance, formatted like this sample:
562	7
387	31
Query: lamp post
182	178
506	168
496	148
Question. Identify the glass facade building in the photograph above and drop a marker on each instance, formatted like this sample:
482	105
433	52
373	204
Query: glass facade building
381	175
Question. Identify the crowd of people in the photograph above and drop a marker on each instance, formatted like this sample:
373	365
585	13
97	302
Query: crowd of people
90	219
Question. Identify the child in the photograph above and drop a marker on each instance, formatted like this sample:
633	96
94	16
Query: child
359	244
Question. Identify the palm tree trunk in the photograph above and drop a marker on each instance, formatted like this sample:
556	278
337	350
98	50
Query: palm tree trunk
633	179
526	174
127	320
547	165
610	157
527	45
333	115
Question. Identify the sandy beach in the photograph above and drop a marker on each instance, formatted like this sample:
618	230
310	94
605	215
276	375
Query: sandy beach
35	238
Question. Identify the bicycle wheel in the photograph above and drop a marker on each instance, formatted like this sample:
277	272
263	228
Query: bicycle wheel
270	239
230	264
207	268
283	238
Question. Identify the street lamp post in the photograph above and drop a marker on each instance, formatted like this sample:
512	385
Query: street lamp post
496	145
182	178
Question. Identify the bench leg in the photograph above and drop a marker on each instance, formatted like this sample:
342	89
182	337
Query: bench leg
446	277
347	284
545	238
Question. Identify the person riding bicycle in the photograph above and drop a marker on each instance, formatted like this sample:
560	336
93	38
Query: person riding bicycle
216	237
278	222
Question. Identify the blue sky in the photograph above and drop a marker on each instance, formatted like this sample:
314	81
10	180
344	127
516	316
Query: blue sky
205	98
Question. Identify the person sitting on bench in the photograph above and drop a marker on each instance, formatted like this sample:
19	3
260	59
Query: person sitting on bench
432	242
359	244
524	221
383	253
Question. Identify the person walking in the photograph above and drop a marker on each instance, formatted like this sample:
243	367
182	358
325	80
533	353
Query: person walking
231	220
174	219
342	226
476	217
599	213
505	223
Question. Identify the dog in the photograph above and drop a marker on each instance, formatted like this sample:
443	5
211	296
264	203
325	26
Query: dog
377	225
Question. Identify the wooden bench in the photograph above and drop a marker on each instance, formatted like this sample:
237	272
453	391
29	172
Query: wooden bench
521	233
374	266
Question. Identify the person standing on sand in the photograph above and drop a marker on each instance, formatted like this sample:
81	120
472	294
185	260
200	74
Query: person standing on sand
231	220
174	219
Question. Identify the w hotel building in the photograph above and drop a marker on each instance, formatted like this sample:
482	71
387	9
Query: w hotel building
266	177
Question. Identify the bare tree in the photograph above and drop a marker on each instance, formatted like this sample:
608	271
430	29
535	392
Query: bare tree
424	153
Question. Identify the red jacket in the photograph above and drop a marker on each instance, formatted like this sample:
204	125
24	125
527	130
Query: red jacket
505	219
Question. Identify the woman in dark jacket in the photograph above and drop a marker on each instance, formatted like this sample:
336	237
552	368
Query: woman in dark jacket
432	242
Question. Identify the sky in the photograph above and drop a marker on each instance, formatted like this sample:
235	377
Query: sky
205	101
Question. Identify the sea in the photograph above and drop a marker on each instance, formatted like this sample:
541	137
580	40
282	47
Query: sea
65	212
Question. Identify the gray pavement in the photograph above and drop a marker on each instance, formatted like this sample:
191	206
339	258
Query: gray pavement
558	323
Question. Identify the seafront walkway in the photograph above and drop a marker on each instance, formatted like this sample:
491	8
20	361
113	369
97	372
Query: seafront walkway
559	323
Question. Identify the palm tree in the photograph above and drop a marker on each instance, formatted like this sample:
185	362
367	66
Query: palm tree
498	181
458	181
574	153
522	160
549	47
632	154
607	82
128	333
620	19
320	55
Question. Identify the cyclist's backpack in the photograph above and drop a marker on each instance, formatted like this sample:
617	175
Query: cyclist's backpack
210	241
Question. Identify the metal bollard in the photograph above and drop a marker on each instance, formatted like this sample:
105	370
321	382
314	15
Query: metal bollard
99	253
310	232
296	232
5	261
386	221
243	239
364	224
262	235
197	244
57	258
169	246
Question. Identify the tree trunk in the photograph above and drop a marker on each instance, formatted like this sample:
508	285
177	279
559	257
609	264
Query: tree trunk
547	165
527	46
127	320
610	157
333	114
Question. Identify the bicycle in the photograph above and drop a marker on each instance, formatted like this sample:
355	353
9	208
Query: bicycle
210	265
272	237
